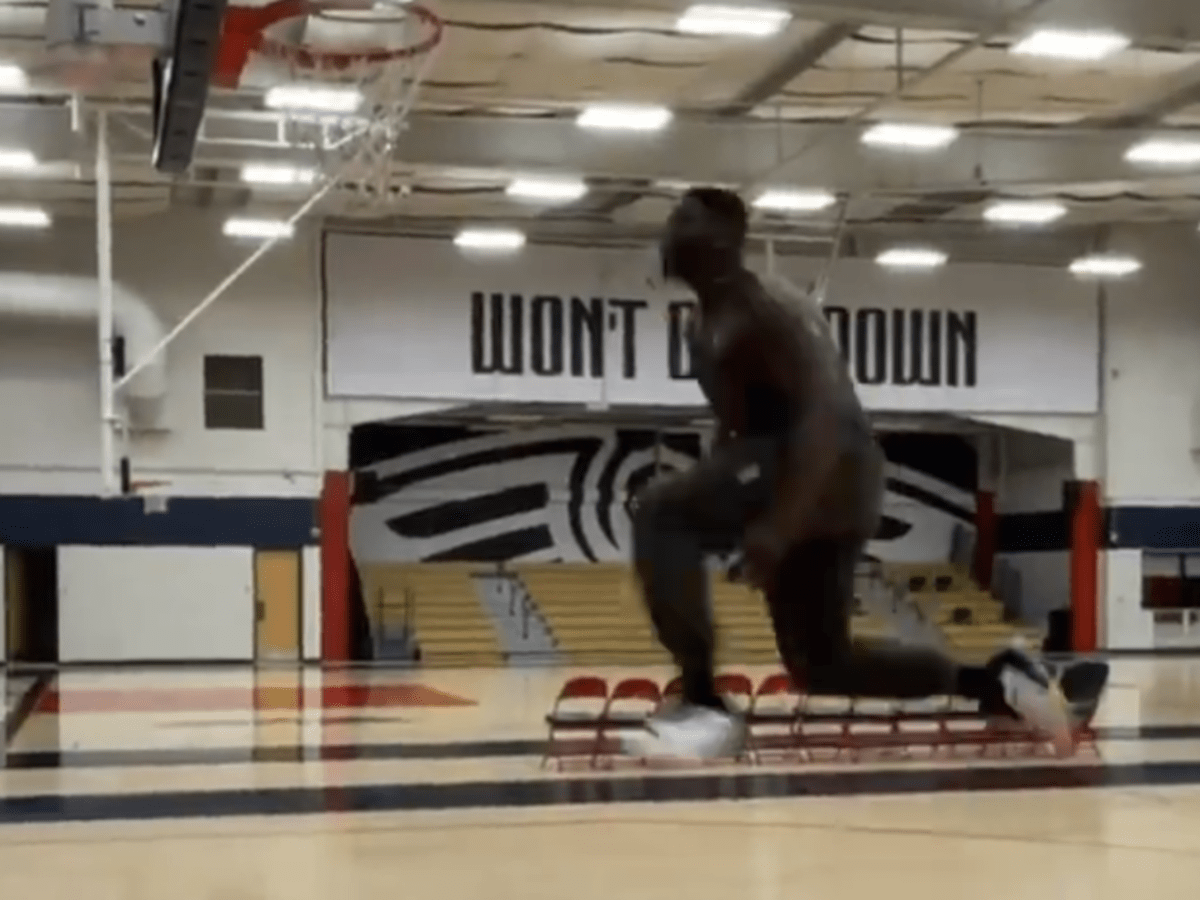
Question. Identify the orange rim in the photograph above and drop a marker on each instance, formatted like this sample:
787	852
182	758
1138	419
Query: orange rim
306	57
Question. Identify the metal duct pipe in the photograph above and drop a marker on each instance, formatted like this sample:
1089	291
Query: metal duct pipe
76	299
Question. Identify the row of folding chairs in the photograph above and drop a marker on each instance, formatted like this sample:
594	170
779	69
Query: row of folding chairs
588	720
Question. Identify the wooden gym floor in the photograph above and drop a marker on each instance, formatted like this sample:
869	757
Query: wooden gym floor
229	785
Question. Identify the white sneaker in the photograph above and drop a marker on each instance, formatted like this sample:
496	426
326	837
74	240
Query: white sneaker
1038	700
690	732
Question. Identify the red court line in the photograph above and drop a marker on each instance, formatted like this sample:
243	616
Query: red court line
233	698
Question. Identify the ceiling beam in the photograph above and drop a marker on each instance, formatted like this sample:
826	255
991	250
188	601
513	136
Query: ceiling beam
1149	22
1169	94
734	151
793	63
475	149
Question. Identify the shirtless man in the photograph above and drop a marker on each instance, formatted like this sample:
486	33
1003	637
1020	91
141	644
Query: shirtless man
795	479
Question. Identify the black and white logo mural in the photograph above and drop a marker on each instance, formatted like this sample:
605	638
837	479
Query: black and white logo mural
562	493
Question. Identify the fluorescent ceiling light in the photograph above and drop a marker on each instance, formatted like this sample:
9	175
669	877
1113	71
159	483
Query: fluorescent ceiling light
909	137
11	76
1165	152
624	117
1082	46
496	239
17	159
794	201
1105	265
911	258
264	229
23	217
1024	212
313	98
562	190
275	174
733	21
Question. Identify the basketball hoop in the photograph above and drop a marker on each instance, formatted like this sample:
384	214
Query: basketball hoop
307	56
387	66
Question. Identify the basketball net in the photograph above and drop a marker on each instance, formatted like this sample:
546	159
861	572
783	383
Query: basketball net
387	64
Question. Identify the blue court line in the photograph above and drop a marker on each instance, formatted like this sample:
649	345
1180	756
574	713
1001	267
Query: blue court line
221	756
377	798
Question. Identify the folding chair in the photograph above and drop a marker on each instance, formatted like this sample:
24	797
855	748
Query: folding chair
923	723
823	723
579	707
736	687
766	711
673	689
875	725
630	703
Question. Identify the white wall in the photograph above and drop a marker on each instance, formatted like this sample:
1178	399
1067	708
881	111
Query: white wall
1152	372
122	604
1032	471
1151	390
1124	624
48	373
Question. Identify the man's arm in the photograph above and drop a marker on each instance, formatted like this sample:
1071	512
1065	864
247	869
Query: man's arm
813	447
809	445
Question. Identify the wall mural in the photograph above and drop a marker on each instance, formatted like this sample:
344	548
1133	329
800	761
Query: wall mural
561	493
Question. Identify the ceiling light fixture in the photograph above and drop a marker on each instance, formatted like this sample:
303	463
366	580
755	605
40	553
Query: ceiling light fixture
909	137
1105	265
1079	46
1024	212
624	117
11	76
554	190
313	98
911	258
23	217
794	201
275	174
259	229
732	21
498	240
1165	152
17	159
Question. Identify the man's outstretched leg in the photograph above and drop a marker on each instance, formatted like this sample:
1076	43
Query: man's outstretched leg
676	522
812	604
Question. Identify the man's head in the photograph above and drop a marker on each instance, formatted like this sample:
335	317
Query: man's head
704	235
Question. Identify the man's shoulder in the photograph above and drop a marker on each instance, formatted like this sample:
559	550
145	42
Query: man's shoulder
787	293
797	306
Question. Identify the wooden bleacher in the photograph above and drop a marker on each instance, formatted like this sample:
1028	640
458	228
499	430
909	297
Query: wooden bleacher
595	613
597	616
744	631
450	625
971	618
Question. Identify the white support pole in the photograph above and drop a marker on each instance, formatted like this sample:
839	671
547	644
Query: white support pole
216	293
770	250
822	288
104	259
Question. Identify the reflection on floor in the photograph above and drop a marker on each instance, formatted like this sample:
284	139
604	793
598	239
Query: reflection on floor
303	783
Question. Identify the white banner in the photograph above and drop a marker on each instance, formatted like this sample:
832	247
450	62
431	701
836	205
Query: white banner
409	318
